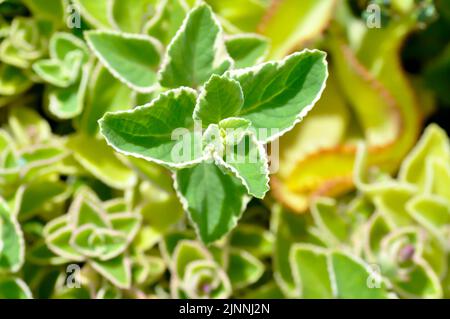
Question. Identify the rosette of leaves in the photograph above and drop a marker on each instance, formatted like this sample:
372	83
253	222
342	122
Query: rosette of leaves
392	238
257	104
89	233
67	73
214	272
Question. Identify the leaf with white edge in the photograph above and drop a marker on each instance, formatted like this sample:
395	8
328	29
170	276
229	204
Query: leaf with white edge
254	239
248	161
58	241
235	129
167	20
13	80
95	12
101	161
326	217
117	270
126	223
187	251
431	212
214	200
438	173
247	49
12	253
196	52
220	99
310	270
434	143
63	43
85	211
67	103
11	288
278	95
149	131
60	73
131	58
100	243
28	127
351	277
243	269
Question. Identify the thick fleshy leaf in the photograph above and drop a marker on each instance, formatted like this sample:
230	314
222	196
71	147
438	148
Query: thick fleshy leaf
117	270
326	217
100	243
352	276
63	43
196	52
310	268
147	132
434	143
247	49
214	200
13	80
12	252
186	252
243	269
60	73
254	239
67	103
220	99
48	9
101	161
277	95
28	127
131	58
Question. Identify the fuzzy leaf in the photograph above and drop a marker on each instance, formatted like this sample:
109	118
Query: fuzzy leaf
196	52
131	58
277	95
146	132
220	99
14	289
243	269
12	250
214	200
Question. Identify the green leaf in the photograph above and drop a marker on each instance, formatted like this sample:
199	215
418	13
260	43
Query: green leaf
434	143
11	288
128	18
328	220
84	210
131	58
249	162
100	243
13	80
310	269
277	95
243	269
187	251
214	200
254	239
105	94
196	52
28	127
67	103
61	74
247	49
48	9
352	276
101	161
291	24
220	99
117	270
63	43
148	131
96	12
167	20
12	245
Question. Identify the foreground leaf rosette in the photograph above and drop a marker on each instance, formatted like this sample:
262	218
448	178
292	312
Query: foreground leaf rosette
217	133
